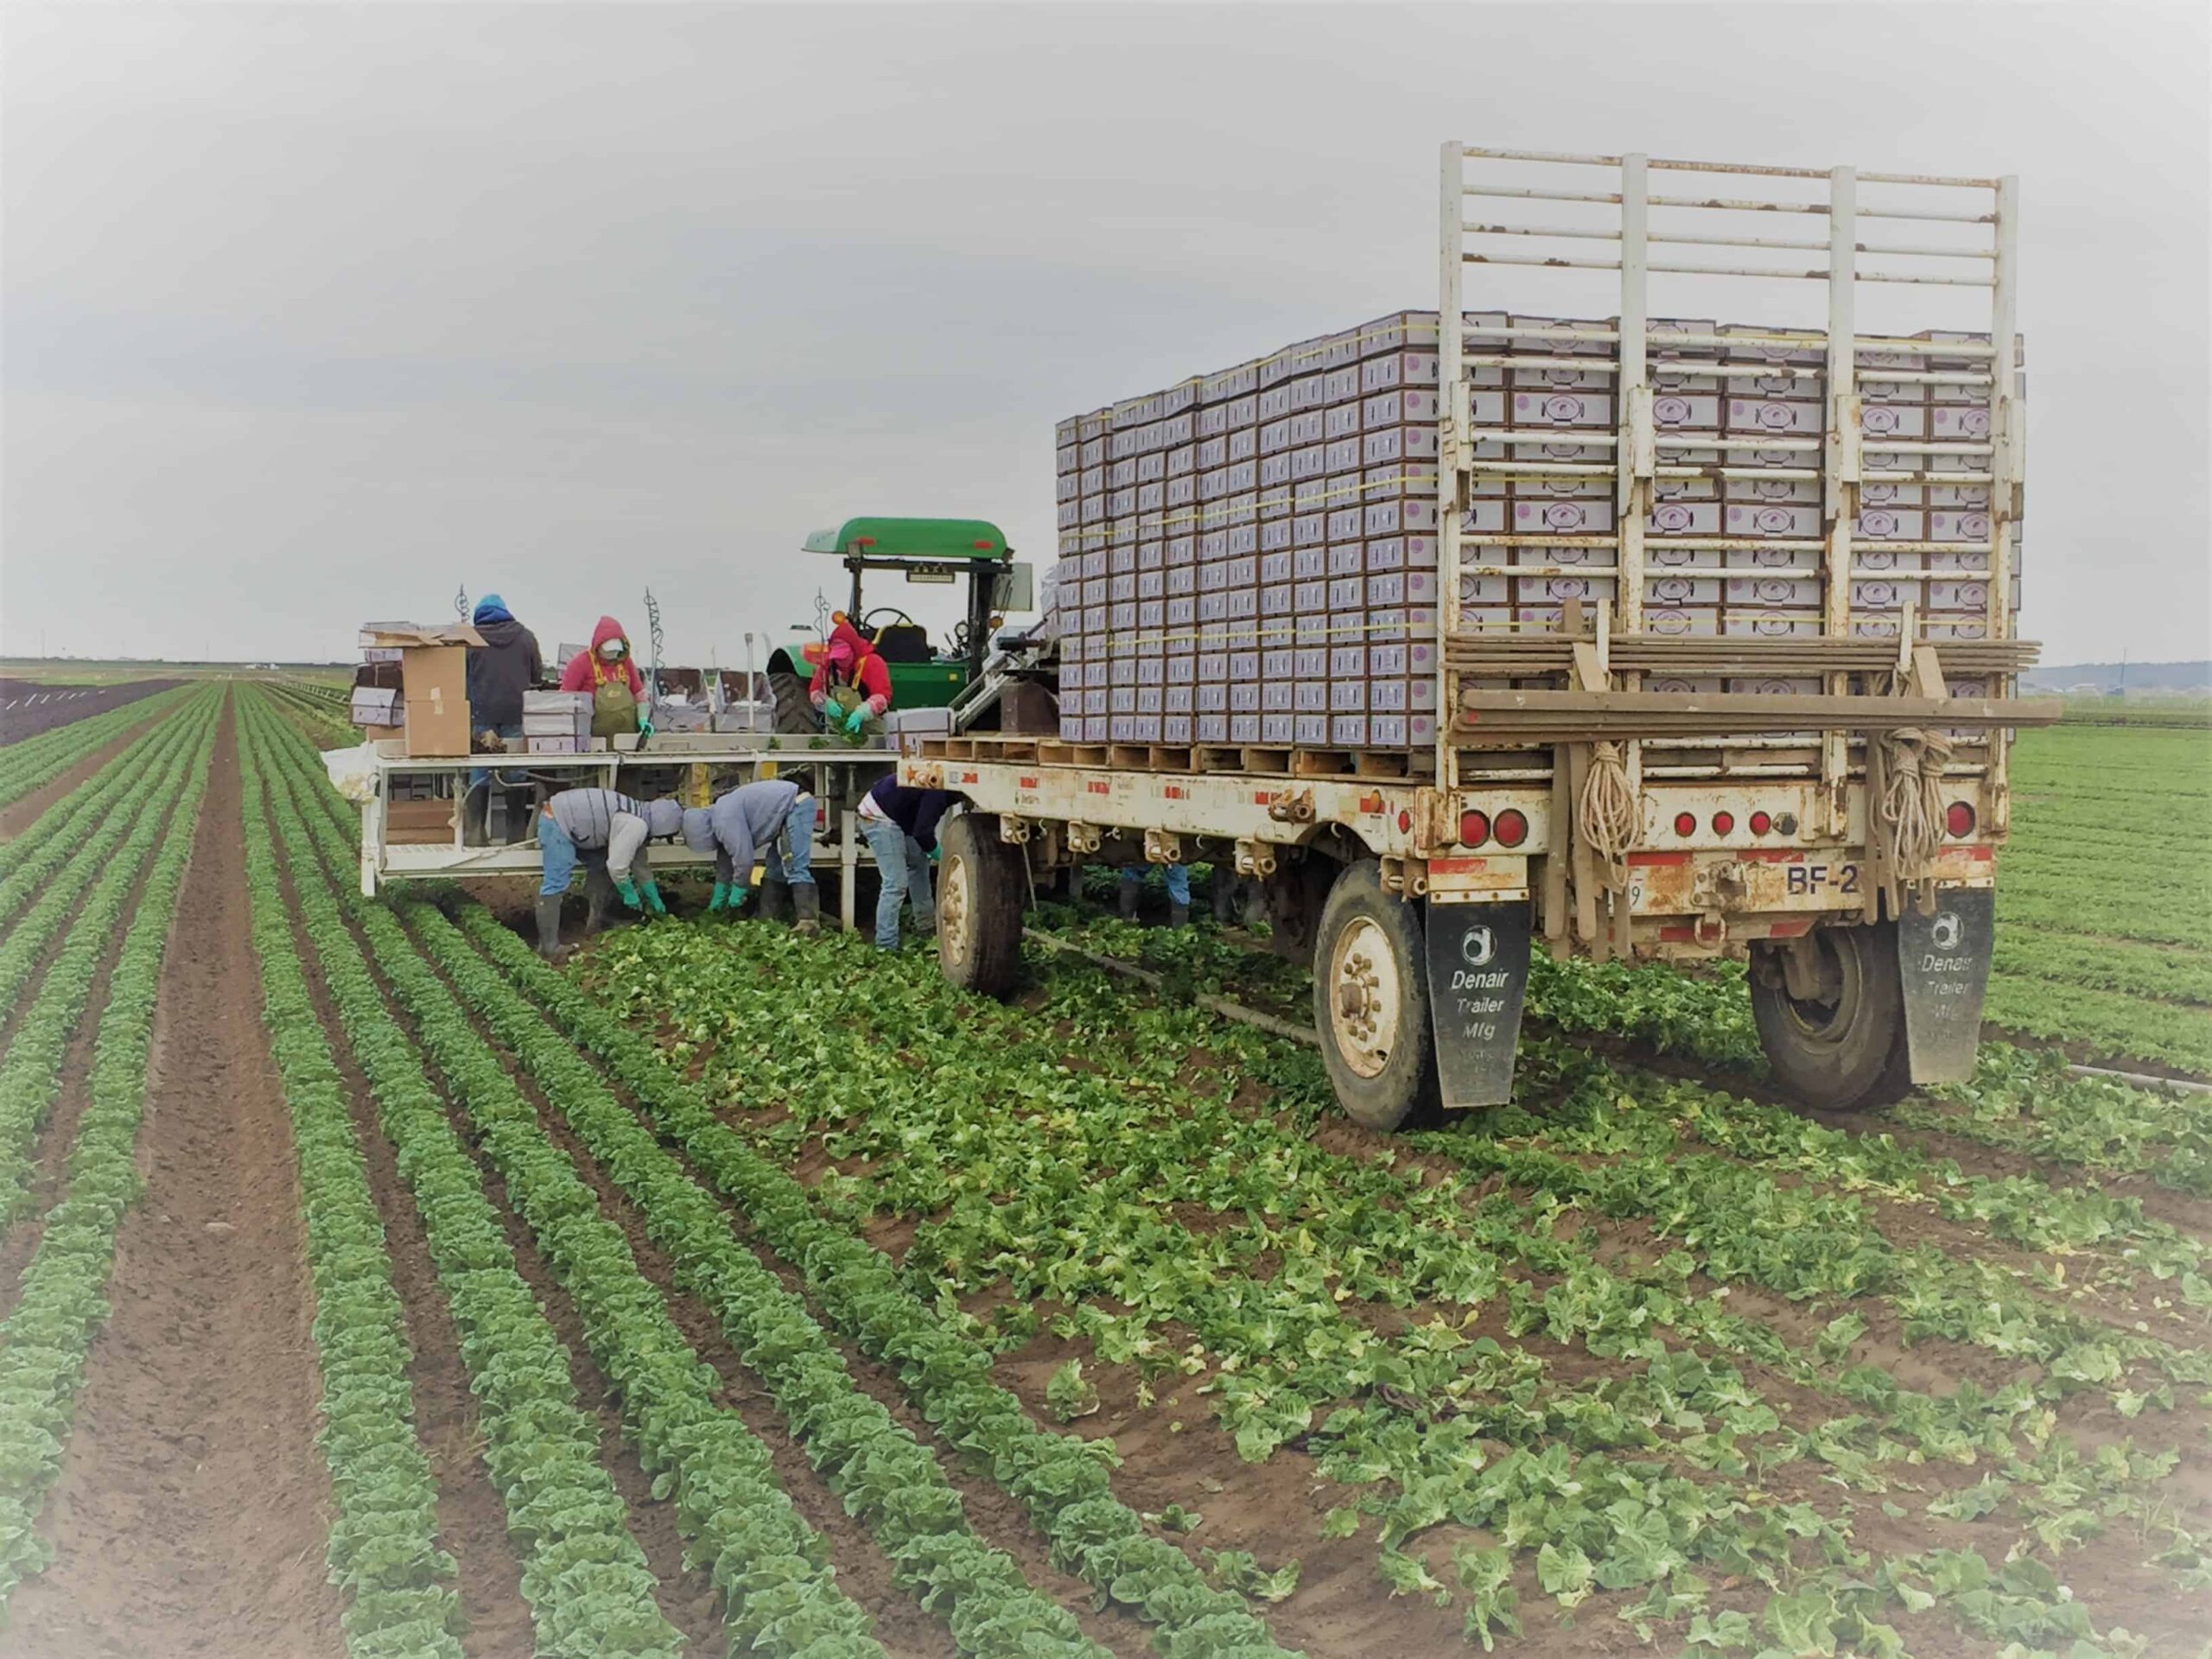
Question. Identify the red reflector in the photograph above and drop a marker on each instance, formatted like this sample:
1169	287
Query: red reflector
1761	823
1723	823
1474	828
1958	818
985	546
1512	828
1405	821
1686	823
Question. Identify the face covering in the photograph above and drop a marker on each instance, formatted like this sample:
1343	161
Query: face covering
611	649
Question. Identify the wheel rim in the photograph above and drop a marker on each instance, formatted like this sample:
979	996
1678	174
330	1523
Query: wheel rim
1365	997
1829	1022
952	911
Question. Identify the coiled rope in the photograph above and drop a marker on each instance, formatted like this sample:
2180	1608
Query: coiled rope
1912	794
1607	819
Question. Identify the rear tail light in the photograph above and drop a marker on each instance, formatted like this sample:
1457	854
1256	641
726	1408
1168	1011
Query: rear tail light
1474	828
1723	823
1761	823
1512	828
1686	823
1958	818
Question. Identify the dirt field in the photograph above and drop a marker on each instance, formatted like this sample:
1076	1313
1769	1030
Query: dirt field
27	707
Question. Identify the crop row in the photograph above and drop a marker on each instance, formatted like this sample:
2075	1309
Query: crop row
28	860
585	1577
383	1548
30	1072
38	761
44	1341
2167	974
321	710
1060	1479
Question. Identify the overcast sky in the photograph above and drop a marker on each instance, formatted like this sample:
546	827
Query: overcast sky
314	314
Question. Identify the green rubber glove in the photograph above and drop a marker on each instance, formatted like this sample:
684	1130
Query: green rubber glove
857	719
629	892
736	897
651	889
720	900
645	725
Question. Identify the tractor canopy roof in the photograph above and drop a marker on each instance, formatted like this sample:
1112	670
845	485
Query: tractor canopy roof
912	538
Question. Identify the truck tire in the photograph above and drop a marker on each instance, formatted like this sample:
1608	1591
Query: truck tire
1843	1047
1370	1004
979	890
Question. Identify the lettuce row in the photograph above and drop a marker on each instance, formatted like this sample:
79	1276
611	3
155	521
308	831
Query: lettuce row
382	1547
43	1343
591	1591
153	784
780	1595
47	845
30	1073
38	761
877	1466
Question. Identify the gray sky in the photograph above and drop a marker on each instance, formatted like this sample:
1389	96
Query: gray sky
314	313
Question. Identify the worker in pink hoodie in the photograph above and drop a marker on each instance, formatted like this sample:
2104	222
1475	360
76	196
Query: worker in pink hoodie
851	686
617	689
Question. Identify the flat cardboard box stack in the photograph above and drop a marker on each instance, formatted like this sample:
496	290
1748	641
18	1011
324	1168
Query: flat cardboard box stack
556	723
1250	556
433	681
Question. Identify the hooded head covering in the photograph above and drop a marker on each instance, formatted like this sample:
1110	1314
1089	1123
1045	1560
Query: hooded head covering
664	817
608	629
491	608
698	829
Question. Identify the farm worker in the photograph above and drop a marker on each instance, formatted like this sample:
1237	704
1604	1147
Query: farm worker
606	832
851	686
507	666
617	689
771	820
1178	892
899	826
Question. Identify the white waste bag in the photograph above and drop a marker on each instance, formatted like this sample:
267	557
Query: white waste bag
353	772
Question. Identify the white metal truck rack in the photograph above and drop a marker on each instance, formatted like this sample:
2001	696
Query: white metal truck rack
1845	836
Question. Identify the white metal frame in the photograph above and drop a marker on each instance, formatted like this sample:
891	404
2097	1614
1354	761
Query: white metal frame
1640	452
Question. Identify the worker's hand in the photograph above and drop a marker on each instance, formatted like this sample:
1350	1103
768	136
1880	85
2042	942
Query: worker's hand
721	900
736	897
651	889
628	889
854	721
645	727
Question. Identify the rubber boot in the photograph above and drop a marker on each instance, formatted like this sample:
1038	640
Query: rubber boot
1178	915
775	900
1125	900
520	807
549	925
475	814
808	899
605	907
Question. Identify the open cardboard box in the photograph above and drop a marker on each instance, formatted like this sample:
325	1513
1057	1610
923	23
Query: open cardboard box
434	677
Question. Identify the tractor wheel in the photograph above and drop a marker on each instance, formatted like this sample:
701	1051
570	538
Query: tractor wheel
980	894
795	711
1370	1004
1831	1022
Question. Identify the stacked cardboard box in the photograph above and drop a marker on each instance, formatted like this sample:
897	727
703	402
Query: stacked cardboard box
1250	557
556	723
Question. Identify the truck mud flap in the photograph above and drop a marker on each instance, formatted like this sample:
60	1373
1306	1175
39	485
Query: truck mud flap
1477	980
1943	961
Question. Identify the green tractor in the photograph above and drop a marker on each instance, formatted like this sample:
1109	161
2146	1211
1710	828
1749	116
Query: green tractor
940	551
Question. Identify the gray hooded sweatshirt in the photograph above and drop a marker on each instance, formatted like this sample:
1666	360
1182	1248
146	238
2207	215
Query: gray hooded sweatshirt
592	818
738	825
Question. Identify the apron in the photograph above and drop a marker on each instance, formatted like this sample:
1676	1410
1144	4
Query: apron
613	710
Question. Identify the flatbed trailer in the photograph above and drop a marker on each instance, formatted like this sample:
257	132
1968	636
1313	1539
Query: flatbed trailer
1846	839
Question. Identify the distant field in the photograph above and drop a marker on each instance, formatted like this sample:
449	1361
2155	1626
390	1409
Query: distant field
2139	711
49	671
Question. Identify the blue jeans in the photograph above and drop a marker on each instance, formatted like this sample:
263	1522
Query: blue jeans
480	774
561	856
1179	880
905	868
791	855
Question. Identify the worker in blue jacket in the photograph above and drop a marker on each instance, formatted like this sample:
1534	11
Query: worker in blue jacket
899	825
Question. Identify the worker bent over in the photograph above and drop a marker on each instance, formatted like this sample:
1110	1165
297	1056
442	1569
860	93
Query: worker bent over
606	832
773	820
899	825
